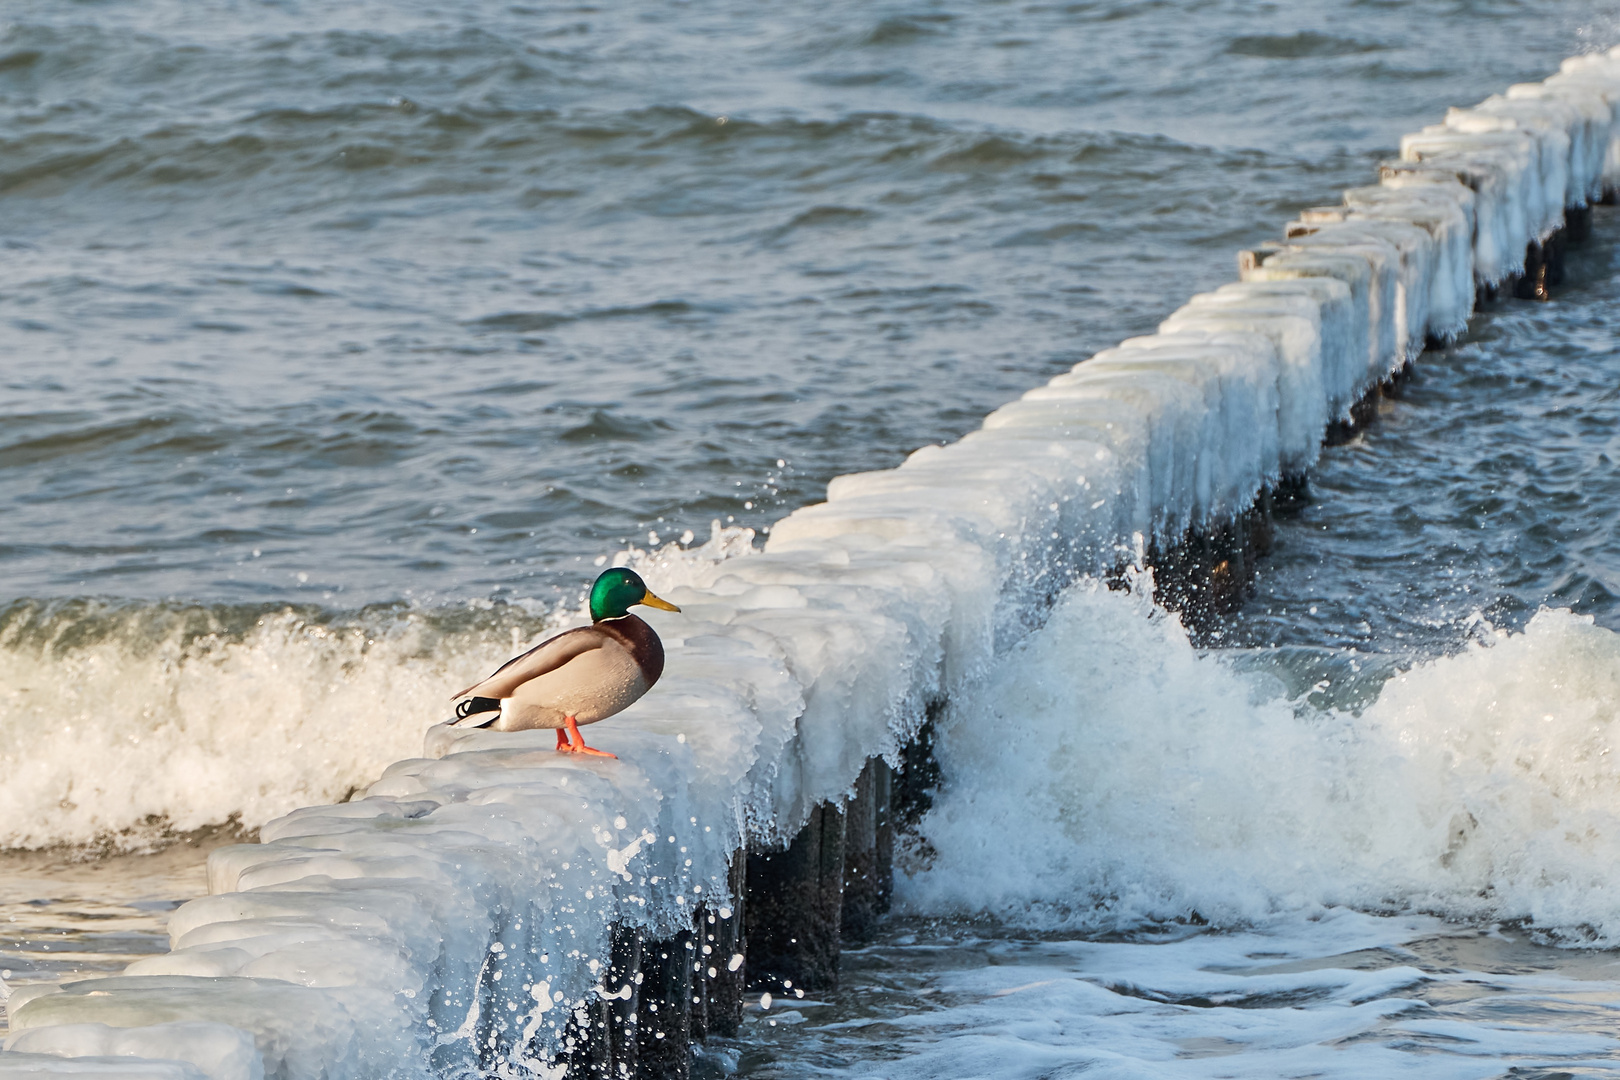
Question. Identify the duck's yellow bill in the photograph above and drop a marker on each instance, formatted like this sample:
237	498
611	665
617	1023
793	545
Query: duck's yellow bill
652	601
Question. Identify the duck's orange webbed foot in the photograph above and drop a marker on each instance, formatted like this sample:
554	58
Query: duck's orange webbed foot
575	742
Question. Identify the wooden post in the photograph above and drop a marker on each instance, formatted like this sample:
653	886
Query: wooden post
1210	571
911	790
1578	223
603	1047
1249	260
722	973
1259	530
795	908
1533	284
1553	255
1229	574
868	854
664	1015
1291	494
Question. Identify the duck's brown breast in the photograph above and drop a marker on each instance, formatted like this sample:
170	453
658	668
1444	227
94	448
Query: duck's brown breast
641	641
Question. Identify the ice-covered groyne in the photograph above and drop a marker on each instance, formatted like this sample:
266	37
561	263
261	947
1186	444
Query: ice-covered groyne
494	908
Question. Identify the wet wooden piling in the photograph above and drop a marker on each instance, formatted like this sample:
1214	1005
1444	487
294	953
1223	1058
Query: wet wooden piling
868	854
720	965
795	908
601	1039
664	1015
1210	571
1578	223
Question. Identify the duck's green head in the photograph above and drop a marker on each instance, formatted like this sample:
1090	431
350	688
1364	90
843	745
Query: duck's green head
617	590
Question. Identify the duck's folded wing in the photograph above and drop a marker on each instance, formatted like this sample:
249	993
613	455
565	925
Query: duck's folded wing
549	655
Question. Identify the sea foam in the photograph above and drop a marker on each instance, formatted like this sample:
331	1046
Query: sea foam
120	726
1108	773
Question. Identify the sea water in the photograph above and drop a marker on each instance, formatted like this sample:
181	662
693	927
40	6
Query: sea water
343	343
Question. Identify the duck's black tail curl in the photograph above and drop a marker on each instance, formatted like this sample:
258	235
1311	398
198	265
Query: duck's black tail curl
474	705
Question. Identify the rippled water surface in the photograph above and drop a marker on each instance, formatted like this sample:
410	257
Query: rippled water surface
348	303
1348	997
326	327
1487	489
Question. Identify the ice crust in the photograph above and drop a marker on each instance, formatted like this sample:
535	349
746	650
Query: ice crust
454	915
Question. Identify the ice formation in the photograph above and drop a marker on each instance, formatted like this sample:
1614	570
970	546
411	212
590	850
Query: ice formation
458	911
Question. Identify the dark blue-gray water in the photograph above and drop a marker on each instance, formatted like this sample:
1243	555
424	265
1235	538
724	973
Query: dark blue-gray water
1487	488
346	303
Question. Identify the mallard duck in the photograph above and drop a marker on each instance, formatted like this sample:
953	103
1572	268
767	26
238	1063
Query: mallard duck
578	677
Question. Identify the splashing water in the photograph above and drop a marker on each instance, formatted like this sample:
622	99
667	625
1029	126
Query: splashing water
122	725
1164	783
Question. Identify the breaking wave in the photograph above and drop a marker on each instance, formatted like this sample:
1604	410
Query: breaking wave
123	724
1109	774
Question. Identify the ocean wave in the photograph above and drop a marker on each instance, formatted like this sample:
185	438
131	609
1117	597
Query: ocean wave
1108	774
122	724
406	150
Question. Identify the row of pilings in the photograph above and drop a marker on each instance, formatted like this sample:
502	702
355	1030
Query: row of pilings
796	908
791	914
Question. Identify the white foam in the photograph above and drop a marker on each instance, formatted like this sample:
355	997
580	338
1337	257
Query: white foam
1325	996
144	729
99	738
1158	781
